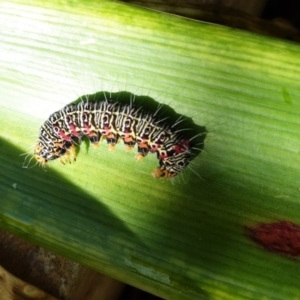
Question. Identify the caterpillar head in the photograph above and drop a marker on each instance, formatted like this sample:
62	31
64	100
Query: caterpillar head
63	150
172	165
42	154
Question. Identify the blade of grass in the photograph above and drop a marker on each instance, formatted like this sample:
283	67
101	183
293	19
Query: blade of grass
185	240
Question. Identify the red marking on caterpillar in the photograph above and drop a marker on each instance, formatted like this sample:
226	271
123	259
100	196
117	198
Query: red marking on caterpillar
122	116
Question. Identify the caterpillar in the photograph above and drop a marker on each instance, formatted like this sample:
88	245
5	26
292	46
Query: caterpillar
122	116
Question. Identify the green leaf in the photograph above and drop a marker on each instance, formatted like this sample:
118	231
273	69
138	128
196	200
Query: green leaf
181	239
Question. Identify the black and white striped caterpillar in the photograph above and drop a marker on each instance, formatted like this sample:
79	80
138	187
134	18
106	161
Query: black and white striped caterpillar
116	117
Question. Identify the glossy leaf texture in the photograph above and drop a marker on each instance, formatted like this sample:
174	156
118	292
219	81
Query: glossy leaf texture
182	239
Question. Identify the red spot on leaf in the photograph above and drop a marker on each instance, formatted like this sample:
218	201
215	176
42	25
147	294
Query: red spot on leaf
280	237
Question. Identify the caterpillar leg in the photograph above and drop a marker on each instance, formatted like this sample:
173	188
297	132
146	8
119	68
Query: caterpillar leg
112	139
139	157
95	139
143	150
69	154
128	148
111	147
160	172
129	143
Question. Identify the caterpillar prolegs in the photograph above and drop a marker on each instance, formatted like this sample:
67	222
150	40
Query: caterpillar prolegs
137	120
